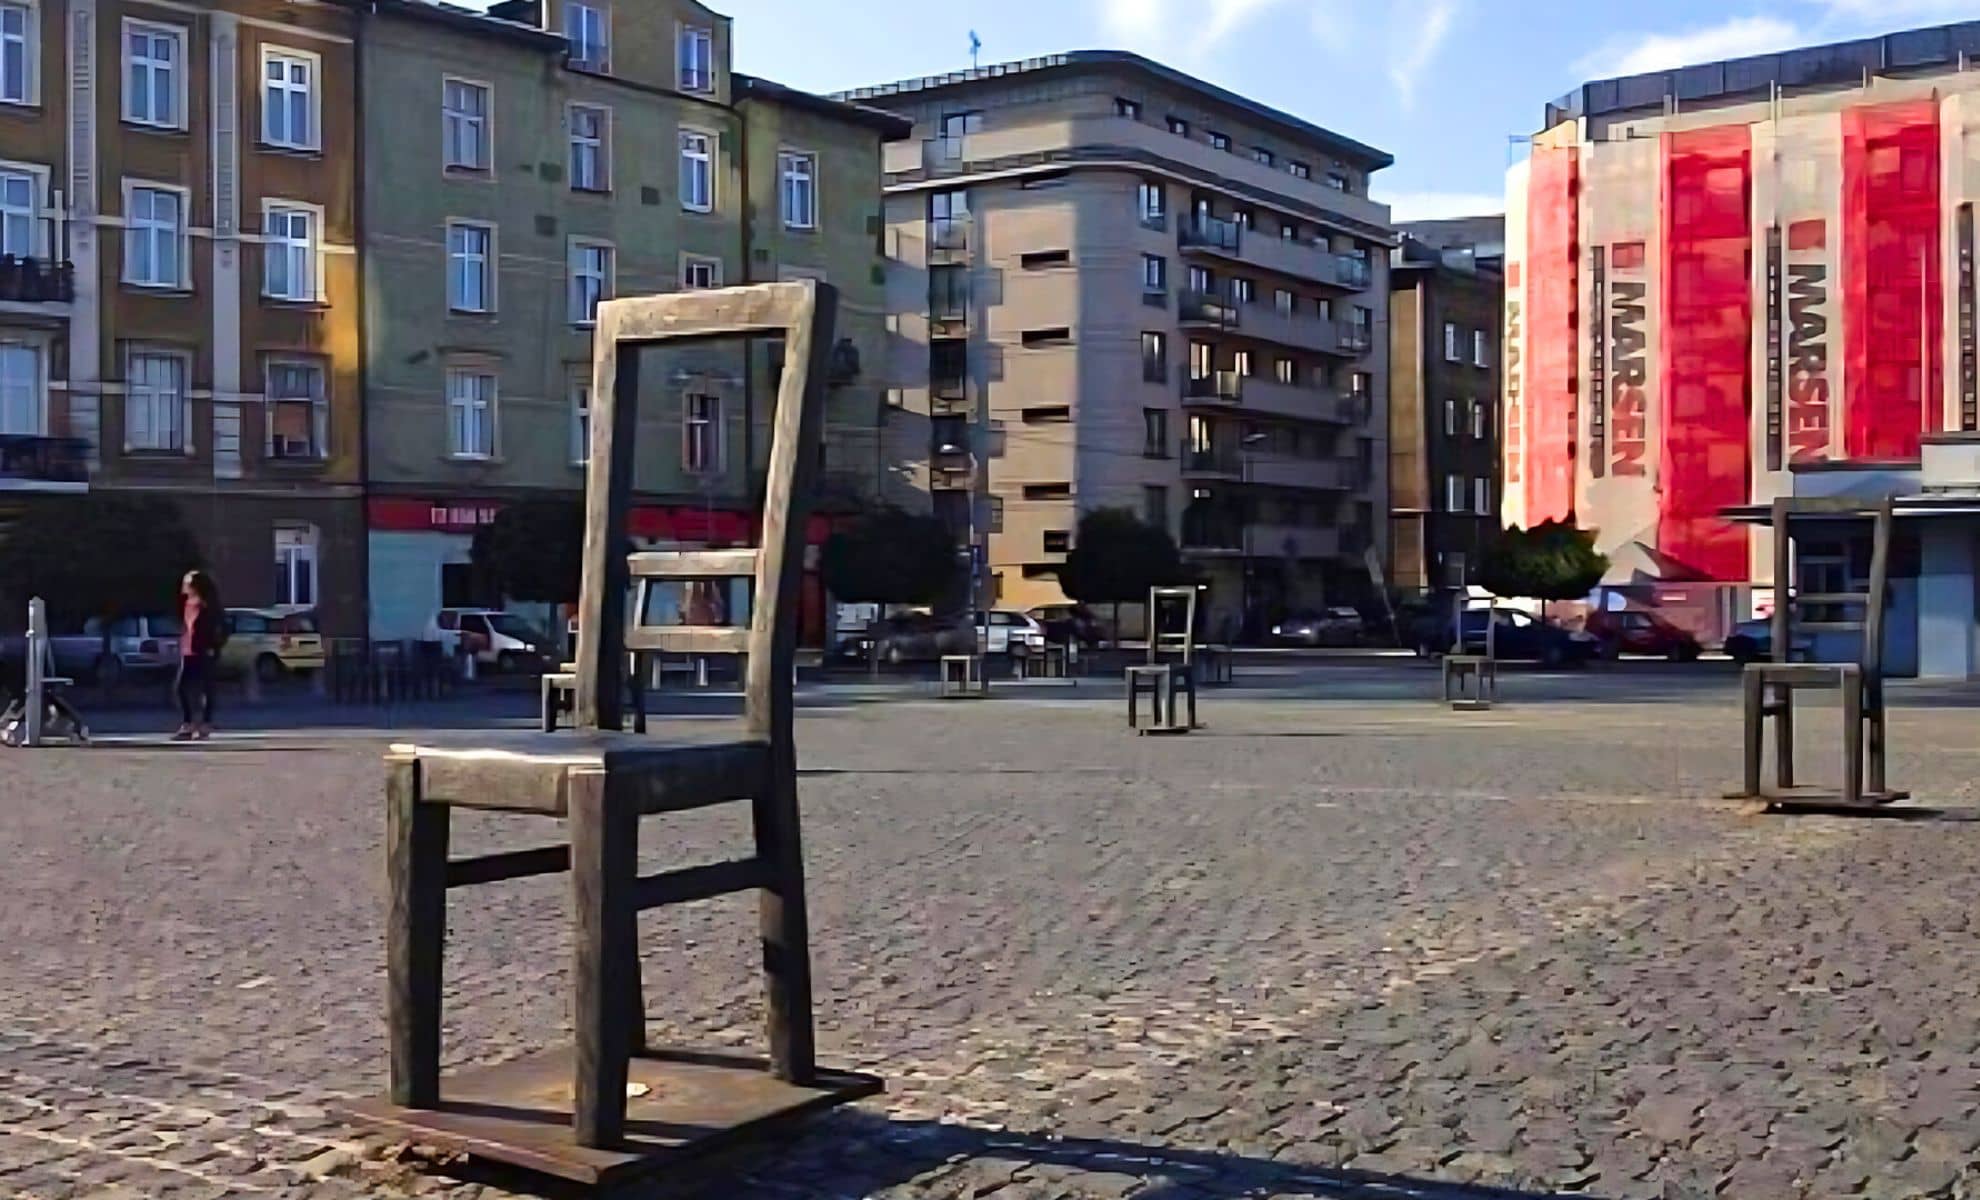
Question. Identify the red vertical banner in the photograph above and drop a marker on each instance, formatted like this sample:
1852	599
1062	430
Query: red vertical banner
1707	348
1553	344
1894	336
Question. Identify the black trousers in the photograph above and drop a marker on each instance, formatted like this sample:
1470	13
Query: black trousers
196	684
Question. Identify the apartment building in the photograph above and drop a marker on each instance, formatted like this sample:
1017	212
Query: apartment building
1115	285
1446	286
573	151
178	279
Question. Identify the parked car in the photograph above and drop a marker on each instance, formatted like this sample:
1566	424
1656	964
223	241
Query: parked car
496	639
271	643
1753	641
1634	631
1004	631
1518	635
141	647
1339	626
1065	624
913	637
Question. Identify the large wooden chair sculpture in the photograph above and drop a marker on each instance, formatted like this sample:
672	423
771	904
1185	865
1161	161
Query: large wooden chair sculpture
611	1106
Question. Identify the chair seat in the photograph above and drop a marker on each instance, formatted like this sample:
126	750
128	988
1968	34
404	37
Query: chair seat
533	772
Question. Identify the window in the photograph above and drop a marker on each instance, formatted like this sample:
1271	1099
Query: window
1450	418
1150	203
697	171
1048	491
470	414
1451	343
1285	370
154	238
154	74
580	419
1155	505
16	54
591	150
1056	335
697	59
1046	414
1288	231
1201	281
1038	260
585	30
19	214
1242	218
1056	541
464	125
948	292
23	409
699	274
295	566
1219	141
591	280
1481	495
1299	170
797	175
289	253
1480	356
288	99
1454	497
1481	419
1339	181
1262	156
1154	273
297	409
1155	432
1131	109
701	434
1202	356
1242	363
1243	291
1178	126
155	402
1284	302
470	274
1155	357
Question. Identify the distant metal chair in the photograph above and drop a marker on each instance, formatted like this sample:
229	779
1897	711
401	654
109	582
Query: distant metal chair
1170	672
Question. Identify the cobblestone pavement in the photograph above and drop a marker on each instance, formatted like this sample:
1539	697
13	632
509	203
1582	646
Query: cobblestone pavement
1320	948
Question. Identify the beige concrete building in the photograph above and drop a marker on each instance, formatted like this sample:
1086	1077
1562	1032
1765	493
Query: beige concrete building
1114	285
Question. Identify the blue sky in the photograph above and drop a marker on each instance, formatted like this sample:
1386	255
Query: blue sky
1440	84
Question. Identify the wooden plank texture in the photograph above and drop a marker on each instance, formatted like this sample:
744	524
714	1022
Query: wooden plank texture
700	883
692	564
510	864
688	639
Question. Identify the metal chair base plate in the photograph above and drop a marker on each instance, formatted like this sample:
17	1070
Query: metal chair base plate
680	1104
1818	798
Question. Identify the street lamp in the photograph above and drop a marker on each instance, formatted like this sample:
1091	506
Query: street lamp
1245	444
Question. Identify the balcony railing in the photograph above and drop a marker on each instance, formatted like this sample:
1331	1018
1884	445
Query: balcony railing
1351	271
1206	308
1209	233
948	237
946	151
1215	459
1355	338
35	463
1224	386
36	280
1218	534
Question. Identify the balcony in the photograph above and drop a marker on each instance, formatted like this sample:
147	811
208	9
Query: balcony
1300	402
36	281
1206	309
1302	474
951	473
43	464
1303	260
947	319
1266	323
1356	339
1218	387
1219	535
940	154
1218	460
1210	234
948	239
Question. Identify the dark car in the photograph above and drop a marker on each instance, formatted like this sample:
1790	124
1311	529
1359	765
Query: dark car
1327	627
913	637
1636	632
1521	636
1068	623
1753	641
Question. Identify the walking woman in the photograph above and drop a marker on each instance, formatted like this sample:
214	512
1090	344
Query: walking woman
199	655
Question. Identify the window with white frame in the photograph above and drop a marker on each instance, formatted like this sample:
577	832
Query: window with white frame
1480	353
154	74
298	409
1481	494
23	396
155	401
154	237
19	212
1451	351
464	125
591	152
295	565
470	267
697	59
697	171
288	99
798	177
289	252
701	273
580	419
1454	497
470	414
591	280
586	30
701	434
17	51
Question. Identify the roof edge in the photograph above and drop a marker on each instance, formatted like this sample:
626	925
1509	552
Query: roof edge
891	127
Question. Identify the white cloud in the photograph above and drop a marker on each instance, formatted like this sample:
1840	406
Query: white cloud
1436	206
1633	54
1190	30
1420	32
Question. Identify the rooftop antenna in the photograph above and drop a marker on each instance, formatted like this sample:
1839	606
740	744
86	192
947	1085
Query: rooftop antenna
975	44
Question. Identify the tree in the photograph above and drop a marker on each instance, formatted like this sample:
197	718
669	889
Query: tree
1551	561
1116	557
534	550
890	557
95	556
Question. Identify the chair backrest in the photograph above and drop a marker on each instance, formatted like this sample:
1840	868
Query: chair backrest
1792	604
1160	641
800	312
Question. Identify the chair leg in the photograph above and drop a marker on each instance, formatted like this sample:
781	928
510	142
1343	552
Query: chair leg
1784	740
1753	692
604	825
784	923
1852	784
415	935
